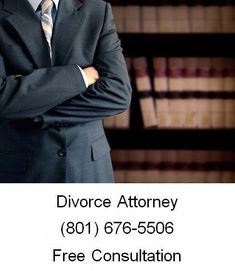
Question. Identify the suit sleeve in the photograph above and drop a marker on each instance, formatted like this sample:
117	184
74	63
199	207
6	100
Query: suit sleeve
34	94
111	94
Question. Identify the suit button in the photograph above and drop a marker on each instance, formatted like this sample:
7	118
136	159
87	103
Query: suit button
61	125
61	153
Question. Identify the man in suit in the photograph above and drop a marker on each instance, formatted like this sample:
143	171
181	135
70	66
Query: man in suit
61	72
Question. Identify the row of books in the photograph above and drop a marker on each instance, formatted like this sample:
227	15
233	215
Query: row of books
152	166
175	19
182	93
185	92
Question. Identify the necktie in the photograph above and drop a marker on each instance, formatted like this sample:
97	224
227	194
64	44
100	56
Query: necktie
47	21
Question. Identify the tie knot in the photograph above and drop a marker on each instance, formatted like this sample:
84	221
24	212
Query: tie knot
46	6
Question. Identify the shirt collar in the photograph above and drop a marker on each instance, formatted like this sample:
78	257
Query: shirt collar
35	3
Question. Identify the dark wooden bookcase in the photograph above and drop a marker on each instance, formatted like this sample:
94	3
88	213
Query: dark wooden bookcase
172	45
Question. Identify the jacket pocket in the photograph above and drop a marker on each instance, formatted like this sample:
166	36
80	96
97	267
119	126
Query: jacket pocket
11	162
99	148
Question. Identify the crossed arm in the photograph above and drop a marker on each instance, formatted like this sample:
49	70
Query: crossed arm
60	94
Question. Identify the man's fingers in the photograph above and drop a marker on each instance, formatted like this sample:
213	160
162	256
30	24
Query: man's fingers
92	74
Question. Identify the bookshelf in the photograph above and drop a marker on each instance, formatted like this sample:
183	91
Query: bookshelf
139	139
210	45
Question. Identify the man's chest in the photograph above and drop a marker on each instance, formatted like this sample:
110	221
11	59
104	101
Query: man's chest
24	47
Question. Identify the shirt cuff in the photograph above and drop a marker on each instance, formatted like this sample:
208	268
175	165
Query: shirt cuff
84	76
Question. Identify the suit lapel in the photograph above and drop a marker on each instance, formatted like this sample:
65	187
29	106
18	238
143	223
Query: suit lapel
28	26
68	21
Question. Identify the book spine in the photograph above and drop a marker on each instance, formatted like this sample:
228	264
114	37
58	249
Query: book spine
166	19
132	19
197	17
229	75
181	19
204	102
198	166
217	97
169	166
214	174
161	91
229	87
228	166
184	162
213	18
119	159
176	103
228	18
136	166
149	19
230	113
144	88
118	14
153	173
190	87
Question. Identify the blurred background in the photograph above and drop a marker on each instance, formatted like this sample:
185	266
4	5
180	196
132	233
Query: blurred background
181	61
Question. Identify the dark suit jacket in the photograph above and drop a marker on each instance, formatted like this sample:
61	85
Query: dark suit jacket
70	144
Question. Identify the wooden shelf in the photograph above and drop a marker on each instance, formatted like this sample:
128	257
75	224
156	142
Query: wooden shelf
178	44
171	139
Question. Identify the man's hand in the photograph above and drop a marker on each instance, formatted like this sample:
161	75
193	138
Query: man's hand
92	75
